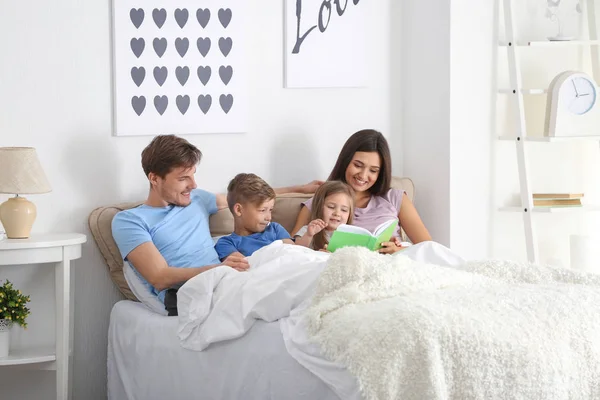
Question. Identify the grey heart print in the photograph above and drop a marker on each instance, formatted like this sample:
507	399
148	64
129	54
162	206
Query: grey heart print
226	72
204	74
138	75
204	102
136	16
159	16
137	46
182	46
182	74
226	102
183	103
225	16
160	46
160	75
181	16
203	46
225	45
138	104
161	103
203	16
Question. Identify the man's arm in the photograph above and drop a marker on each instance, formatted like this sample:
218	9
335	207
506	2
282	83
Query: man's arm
148	261
221	201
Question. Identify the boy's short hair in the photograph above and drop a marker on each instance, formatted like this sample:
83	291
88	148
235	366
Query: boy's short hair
248	188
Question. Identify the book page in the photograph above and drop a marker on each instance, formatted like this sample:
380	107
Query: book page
382	227
353	229
386	235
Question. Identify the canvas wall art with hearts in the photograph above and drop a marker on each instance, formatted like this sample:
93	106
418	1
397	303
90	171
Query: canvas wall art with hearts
178	67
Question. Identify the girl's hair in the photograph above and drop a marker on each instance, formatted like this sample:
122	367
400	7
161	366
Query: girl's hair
325	190
367	140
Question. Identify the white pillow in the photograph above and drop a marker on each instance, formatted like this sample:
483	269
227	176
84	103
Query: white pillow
141	291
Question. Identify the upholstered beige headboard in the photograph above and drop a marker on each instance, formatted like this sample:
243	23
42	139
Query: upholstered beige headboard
285	212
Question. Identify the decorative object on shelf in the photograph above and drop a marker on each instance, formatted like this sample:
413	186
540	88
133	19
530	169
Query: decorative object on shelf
180	67
585	253
326	43
13	310
571	108
20	173
552	8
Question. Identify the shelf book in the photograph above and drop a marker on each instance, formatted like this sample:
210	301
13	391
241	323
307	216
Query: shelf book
557	199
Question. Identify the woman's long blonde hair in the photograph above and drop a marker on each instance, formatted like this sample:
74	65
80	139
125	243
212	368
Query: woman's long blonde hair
325	190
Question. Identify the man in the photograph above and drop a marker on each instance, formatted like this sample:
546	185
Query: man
167	239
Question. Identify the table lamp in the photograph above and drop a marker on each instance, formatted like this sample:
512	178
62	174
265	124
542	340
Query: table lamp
20	173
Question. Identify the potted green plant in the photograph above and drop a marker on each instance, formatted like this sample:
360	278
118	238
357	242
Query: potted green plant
13	310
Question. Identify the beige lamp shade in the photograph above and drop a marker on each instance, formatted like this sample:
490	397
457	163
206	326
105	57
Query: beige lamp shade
21	171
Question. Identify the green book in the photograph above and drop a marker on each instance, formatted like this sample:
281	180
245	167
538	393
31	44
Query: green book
350	235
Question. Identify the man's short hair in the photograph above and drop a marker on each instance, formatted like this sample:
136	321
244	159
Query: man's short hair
248	188
166	152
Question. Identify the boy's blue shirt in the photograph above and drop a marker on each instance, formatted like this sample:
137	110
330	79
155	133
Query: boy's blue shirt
249	244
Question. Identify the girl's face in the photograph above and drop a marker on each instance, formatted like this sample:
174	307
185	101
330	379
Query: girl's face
363	170
336	210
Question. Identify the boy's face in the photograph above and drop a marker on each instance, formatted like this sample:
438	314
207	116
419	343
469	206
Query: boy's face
255	218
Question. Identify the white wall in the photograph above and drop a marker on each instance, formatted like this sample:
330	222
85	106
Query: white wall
447	109
55	82
425	41
472	99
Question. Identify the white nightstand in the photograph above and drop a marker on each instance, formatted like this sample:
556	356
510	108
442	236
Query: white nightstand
58	249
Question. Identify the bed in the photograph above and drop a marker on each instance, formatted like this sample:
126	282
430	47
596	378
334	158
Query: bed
355	324
146	360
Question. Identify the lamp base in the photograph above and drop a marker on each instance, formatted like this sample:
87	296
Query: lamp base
17	215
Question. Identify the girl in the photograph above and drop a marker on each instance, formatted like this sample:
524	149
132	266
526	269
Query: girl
333	205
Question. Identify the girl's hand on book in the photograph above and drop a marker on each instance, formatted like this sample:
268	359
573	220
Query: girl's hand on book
324	249
389	248
315	226
396	241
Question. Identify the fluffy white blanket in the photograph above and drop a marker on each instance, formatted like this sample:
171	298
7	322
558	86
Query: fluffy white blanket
222	303
484	330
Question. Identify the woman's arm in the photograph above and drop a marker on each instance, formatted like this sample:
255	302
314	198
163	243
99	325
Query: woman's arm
411	222
309	188
303	219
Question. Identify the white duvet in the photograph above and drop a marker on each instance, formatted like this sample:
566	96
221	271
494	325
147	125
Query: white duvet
223	304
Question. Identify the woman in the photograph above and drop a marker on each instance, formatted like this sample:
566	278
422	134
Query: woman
365	164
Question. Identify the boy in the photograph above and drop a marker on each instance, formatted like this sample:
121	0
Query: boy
251	202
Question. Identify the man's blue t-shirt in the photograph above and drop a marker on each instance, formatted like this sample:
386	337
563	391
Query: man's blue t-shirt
181	234
249	244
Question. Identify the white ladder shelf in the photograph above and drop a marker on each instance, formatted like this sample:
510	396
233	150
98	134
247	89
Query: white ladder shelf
517	92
